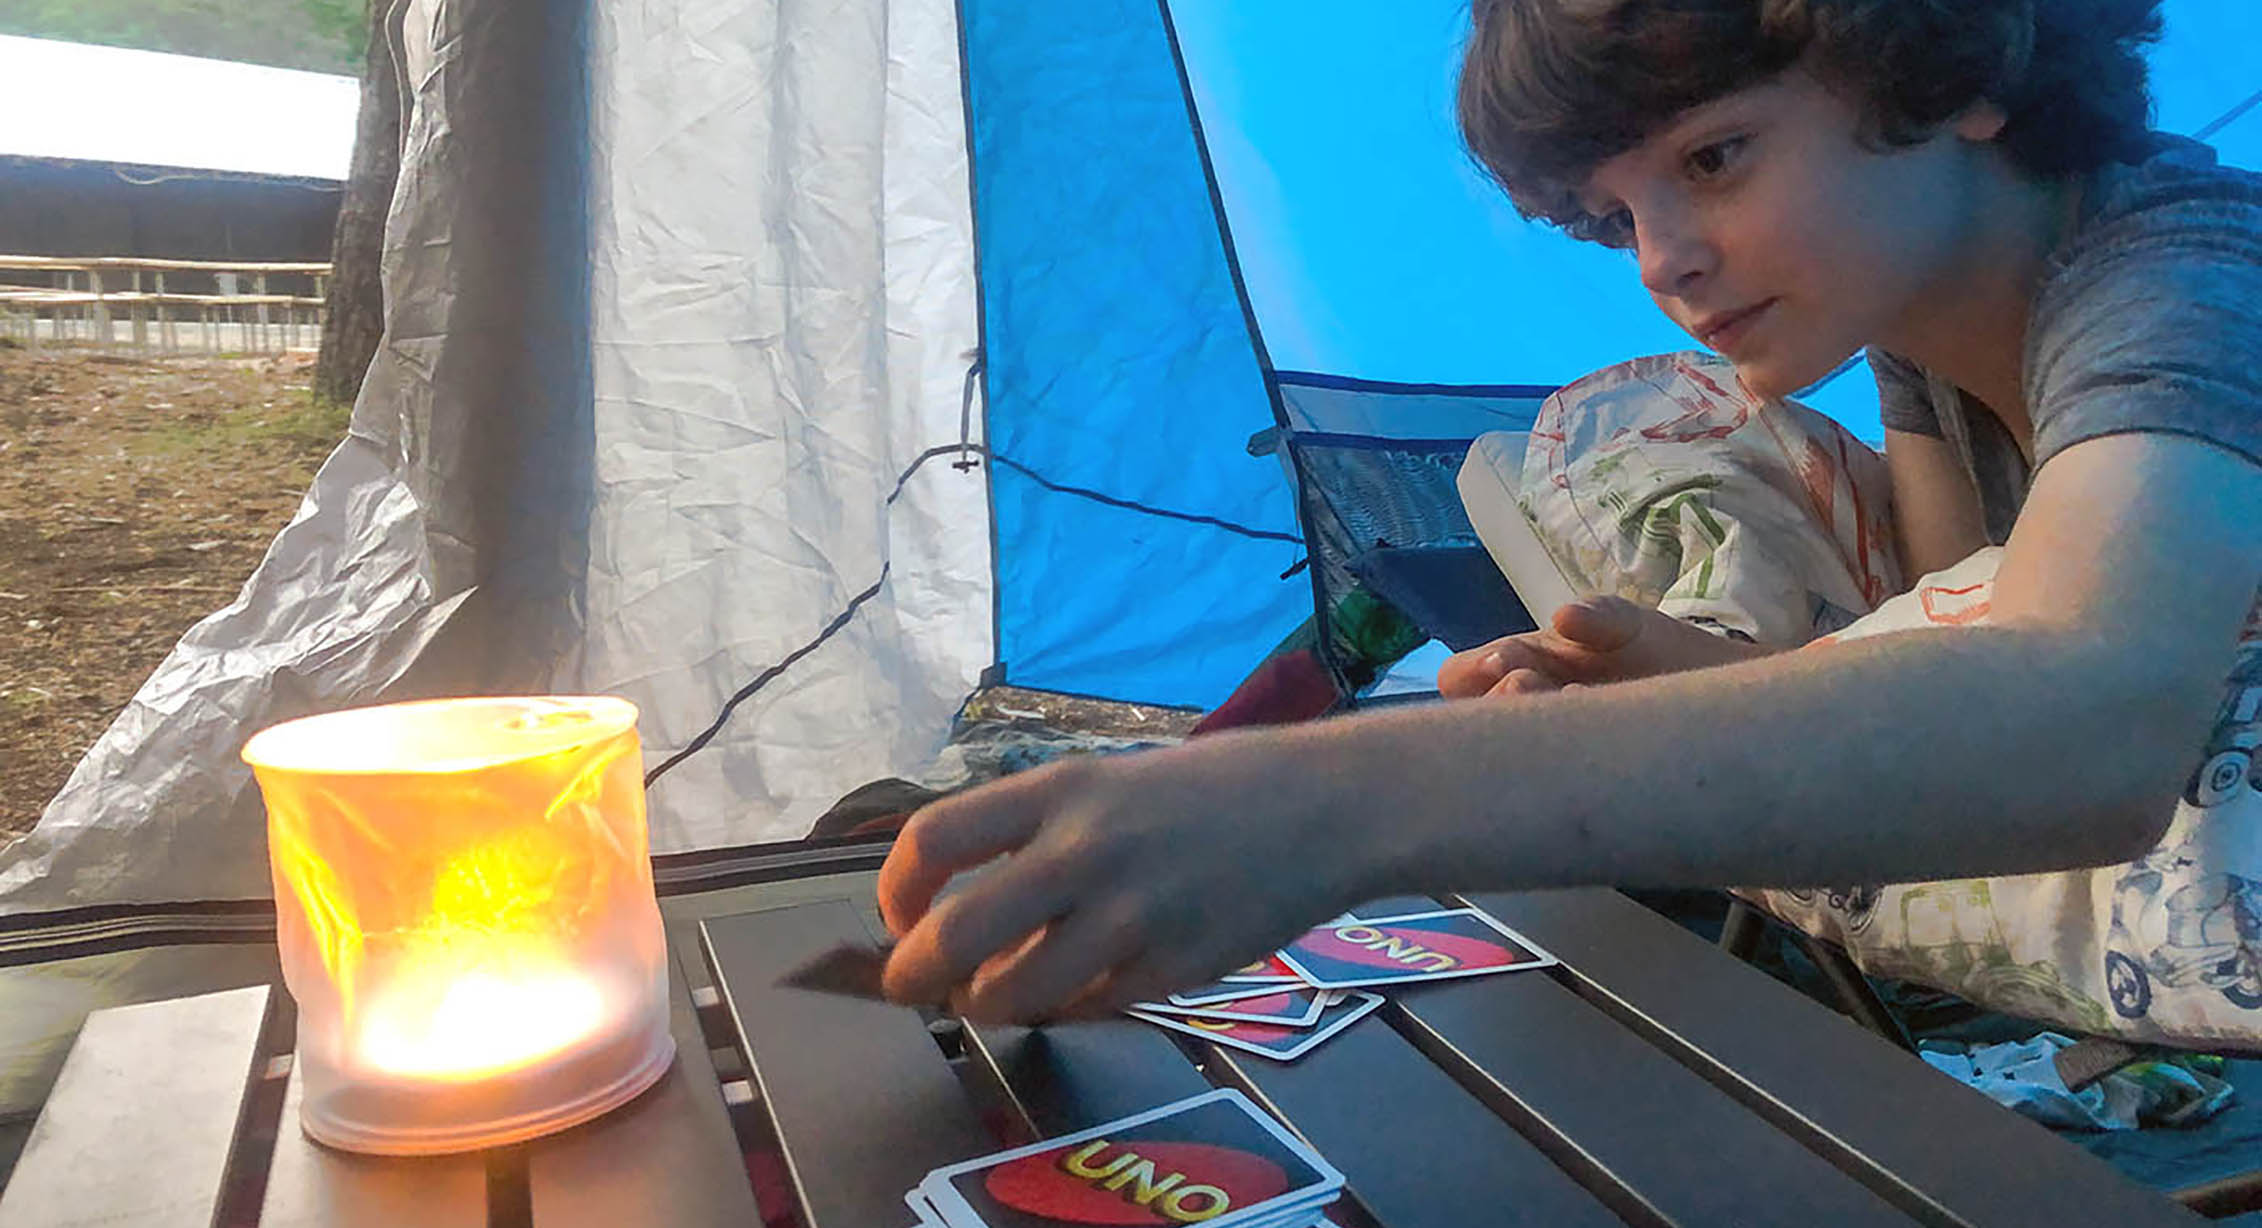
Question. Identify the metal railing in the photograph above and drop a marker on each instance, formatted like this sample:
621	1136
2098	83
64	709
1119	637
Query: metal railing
127	301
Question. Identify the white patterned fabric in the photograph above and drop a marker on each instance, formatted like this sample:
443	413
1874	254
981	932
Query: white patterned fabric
1663	481
2167	948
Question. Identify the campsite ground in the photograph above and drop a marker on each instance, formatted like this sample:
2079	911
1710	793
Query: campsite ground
136	494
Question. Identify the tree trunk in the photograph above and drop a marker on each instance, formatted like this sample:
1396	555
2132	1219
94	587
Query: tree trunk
354	317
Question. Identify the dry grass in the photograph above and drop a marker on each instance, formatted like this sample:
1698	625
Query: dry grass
136	494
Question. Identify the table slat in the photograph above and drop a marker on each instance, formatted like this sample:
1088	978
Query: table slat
667	1157
1418	1151
1681	1144
312	1186
863	1103
138	1130
1924	1141
1069	1077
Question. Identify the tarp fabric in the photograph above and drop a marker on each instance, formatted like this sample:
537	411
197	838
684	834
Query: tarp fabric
783	321
674	298
681	301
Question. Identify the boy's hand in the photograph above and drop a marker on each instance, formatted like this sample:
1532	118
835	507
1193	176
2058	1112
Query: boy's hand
1589	642
1115	879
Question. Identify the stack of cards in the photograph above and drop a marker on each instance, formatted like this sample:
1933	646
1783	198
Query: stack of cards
1212	1159
1284	1006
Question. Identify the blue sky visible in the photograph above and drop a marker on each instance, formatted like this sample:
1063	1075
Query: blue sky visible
1372	247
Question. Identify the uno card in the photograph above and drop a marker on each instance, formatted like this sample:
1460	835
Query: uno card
1266	971
1228	990
1298	1007
1276	1041
1211	1159
928	1216
852	969
1422	946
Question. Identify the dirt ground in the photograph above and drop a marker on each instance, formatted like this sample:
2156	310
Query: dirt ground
136	494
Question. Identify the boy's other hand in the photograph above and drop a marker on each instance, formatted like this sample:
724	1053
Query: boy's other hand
1588	643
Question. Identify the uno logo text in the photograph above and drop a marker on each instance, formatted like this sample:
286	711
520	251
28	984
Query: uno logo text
1136	1178
1411	954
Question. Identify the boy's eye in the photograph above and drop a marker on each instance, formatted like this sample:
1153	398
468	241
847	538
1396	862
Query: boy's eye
1613	229
1707	161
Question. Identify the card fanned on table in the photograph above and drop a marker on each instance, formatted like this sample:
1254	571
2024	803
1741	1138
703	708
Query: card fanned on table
1332	967
1422	946
1212	1159
1290	1002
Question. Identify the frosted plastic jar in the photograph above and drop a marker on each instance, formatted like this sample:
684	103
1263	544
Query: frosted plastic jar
465	909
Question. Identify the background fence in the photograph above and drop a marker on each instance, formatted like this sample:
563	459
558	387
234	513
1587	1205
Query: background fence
162	305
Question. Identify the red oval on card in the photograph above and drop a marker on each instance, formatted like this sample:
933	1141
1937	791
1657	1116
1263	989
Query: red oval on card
1405	950
1073	1183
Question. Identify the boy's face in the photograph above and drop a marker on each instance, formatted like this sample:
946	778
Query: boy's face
1765	229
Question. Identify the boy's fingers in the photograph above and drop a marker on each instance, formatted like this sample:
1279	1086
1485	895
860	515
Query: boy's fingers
1523	682
1472	671
949	835
1074	954
943	951
1526	651
1602	624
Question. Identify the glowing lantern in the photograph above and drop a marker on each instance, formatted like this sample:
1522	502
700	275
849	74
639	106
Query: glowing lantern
465	909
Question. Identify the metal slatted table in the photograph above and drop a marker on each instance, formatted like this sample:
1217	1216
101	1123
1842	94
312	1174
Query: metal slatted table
1649	1080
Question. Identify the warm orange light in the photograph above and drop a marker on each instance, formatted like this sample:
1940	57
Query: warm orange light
466	916
462	1024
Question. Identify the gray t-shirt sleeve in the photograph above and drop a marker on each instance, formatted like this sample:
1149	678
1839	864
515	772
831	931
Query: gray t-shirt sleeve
1904	395
2154	324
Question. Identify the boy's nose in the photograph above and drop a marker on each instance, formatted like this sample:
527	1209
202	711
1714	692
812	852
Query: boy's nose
1674	258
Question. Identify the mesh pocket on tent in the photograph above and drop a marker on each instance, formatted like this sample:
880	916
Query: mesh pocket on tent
1374	466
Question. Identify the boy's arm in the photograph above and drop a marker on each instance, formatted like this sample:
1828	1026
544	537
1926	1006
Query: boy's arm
2054	737
1937	521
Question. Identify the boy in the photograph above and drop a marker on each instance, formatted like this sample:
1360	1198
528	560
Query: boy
2061	309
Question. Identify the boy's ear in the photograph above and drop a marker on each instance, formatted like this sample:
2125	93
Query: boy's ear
1981	121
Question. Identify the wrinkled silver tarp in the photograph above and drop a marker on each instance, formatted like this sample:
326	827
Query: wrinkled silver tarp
675	295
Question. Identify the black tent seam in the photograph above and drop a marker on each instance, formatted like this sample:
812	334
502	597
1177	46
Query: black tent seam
108	929
857	602
1217	209
832	628
1377	443
981	322
116	939
1308	536
102	914
764	678
1352	383
1144	508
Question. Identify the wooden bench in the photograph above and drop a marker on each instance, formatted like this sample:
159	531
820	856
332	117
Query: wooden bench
183	1114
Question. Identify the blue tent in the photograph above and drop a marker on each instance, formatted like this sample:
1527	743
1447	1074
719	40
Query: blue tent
1264	188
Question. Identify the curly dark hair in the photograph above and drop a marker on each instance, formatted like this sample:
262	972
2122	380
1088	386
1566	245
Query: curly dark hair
1552	88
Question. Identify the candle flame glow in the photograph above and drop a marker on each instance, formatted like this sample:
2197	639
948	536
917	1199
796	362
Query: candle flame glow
478	1022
